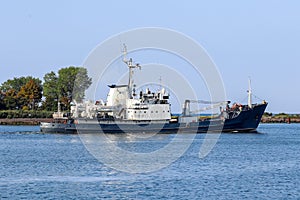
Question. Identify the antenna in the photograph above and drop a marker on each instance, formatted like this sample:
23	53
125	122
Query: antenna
130	66
125	54
249	94
160	81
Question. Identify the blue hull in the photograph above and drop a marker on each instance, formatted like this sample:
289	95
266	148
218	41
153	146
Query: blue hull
245	121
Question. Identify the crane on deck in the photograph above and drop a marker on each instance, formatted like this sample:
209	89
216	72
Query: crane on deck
187	109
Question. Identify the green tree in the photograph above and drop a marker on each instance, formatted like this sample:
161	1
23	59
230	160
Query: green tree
72	83
50	91
30	94
17	83
10	99
11	89
69	85
81	83
2	105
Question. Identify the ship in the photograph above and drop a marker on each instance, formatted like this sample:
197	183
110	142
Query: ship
124	111
60	122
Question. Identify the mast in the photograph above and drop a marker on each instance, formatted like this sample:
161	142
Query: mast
130	66
249	94
58	107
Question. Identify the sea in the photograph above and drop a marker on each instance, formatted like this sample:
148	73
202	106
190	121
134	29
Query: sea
263	165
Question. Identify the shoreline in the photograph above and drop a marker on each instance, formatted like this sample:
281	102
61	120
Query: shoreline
24	121
287	120
37	121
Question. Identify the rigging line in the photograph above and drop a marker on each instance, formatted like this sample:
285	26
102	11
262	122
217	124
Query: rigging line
257	97
244	100
206	102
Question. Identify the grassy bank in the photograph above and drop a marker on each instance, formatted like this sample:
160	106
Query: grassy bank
24	121
12	114
24	117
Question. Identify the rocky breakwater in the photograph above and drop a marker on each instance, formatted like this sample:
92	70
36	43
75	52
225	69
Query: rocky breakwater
280	118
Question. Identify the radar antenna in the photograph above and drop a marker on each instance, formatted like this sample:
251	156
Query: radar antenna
130	66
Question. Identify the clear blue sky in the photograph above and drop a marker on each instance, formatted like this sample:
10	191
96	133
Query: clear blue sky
260	39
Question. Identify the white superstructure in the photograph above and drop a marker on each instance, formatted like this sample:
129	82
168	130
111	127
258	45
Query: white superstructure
123	103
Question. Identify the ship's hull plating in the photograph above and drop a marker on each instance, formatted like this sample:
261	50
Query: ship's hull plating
245	121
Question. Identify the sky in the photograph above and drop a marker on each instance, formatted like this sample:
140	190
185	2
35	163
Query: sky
257	39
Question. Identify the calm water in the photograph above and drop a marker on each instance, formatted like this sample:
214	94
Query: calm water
55	166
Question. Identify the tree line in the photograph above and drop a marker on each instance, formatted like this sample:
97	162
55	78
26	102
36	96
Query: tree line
30	93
